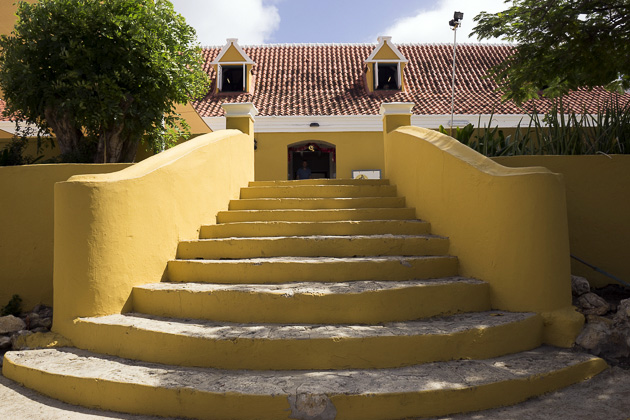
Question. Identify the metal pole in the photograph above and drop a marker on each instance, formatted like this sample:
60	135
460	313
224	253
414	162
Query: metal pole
453	83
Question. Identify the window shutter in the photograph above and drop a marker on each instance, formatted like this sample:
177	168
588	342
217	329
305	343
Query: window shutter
375	75
219	77
399	75
244	76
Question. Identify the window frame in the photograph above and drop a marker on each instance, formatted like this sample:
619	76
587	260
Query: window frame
377	63
233	65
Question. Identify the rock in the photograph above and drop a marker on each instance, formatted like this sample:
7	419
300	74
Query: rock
623	311
31	319
40	341
594	337
5	343
591	304
43	323
43	311
17	335
40	330
579	285
11	324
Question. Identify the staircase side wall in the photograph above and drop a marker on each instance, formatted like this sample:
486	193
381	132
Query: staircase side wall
116	231
26	231
507	226
598	205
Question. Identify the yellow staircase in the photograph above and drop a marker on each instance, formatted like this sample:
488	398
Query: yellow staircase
318	299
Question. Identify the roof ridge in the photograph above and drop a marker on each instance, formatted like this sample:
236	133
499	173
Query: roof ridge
362	44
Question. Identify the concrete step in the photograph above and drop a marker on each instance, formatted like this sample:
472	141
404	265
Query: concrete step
322	191
280	228
316	203
323	215
312	246
361	302
435	389
261	346
306	269
319	182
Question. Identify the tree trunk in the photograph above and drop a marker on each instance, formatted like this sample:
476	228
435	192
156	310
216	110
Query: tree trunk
69	137
130	149
110	145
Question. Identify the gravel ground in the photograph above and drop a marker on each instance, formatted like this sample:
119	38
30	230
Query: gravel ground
607	396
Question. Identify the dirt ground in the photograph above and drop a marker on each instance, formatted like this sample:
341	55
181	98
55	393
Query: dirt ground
605	397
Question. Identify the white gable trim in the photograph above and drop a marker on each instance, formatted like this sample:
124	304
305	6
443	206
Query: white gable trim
366	123
381	41
226	47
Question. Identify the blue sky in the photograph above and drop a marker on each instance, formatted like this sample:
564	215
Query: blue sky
330	21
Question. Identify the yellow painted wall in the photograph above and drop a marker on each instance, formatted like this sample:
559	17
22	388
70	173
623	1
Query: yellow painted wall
355	150
26	230
115	231
232	55
598	204
386	53
507	226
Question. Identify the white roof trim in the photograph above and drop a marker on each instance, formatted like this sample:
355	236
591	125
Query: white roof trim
226	47
367	123
10	127
381	41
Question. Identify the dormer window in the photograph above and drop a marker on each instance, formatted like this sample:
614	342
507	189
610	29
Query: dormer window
233	78
385	66
386	76
233	68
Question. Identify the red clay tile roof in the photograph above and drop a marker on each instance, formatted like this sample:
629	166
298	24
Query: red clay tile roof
330	80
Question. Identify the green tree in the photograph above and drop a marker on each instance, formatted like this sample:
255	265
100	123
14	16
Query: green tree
561	45
101	75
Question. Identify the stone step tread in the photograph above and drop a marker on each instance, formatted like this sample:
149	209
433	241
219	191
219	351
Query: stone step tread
312	245
324	187
356	302
316	203
317	215
301	228
267	331
429	377
323	191
317	238
324	211
338	181
324	269
317	199
330	222
319	260
307	288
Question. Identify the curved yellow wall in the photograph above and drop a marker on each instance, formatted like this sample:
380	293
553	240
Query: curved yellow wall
26	230
507	226
115	231
355	150
598	204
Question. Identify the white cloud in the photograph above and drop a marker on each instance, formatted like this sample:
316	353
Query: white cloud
251	21
431	26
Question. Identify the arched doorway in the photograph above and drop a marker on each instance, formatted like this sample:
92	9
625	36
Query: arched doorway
320	156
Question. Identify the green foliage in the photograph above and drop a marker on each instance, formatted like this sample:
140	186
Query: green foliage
558	132
14	307
492	141
462	134
101	75
562	45
567	133
13	153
